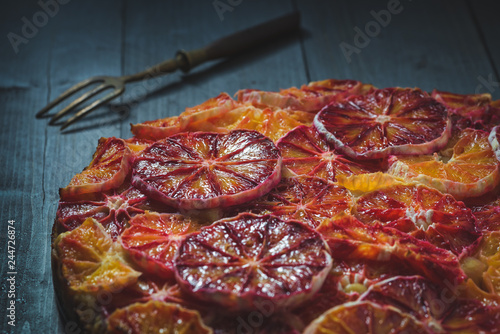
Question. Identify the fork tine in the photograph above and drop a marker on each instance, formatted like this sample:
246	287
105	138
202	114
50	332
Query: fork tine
78	101
92	106
67	93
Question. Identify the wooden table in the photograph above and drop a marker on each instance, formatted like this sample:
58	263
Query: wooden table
449	45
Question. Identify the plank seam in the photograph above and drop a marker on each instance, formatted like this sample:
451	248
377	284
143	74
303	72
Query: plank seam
302	46
482	38
122	46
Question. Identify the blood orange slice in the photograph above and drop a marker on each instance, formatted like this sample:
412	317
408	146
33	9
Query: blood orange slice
306	152
107	170
156	317
469	110
137	145
308	199
345	283
470	316
152	240
489	254
494	140
467	168
349	240
90	261
245	261
488	215
149	289
423	212
365	317
388	121
442	310
113	210
162	128
206	170
311	97
256	323
271	123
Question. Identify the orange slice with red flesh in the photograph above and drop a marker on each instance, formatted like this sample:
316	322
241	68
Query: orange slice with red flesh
113	210
494	140
345	283
469	110
108	169
488	215
137	145
349	240
264	321
165	127
310	98
149	288
422	212
90	261
365	317
247	260
489	254
156	317
271	123
152	240
399	121
466	168
206	170
443	310
306	152
304	198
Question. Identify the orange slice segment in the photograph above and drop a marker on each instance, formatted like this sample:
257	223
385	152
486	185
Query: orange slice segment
414	295
162	128
152	240
469	110
387	121
310	98
247	260
207	170
466	168
422	212
489	255
442	310
156	317
350	240
365	317
307	199
345	283
137	145
112	210
107	170
271	123
149	289
90	261
306	152
488	215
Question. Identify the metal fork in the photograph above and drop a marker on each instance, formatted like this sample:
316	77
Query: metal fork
184	60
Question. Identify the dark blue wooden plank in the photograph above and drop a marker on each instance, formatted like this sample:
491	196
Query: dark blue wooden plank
22	86
82	39
421	43
485	14
191	25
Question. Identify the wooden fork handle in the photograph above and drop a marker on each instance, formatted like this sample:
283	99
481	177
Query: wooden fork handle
240	41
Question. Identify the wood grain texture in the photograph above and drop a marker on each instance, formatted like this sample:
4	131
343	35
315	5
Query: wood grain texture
445	45
424	45
191	25
485	14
